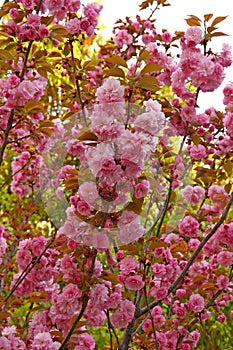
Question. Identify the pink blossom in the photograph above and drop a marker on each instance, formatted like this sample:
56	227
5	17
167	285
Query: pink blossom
43	32
123	38
225	258
128	264
28	4
119	319
71	292
14	13
54	5
43	341
222	281
158	270
180	293
149	122
196	302
222	318
123	315
161	293
189	226
3	245
131	232
23	258
99	296
85	342
134	282
142	189
73	26
166	37
197	152
38	245
95	317
88	192
101	240
83	208
110	92
217	193
193	194
193	35
114	300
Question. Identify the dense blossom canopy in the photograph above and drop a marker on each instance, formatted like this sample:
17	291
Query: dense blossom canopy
116	189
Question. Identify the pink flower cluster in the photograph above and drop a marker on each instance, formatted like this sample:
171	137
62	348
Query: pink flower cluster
41	276
87	23
65	305
189	226
205	72
128	275
17	93
193	194
25	171
32	29
116	161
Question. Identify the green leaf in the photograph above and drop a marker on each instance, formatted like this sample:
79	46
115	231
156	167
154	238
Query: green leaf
5	55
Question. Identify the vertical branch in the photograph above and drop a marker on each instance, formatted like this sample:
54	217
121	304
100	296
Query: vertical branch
151	318
165	208
193	257
111	329
77	83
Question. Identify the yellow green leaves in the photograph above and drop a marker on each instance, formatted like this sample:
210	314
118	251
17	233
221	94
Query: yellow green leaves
5	55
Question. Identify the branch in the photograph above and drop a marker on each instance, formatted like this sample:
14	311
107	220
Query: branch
77	84
28	269
6	135
174	285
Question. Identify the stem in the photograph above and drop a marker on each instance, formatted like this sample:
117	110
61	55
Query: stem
77	83
165	208
111	328
152	321
6	135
